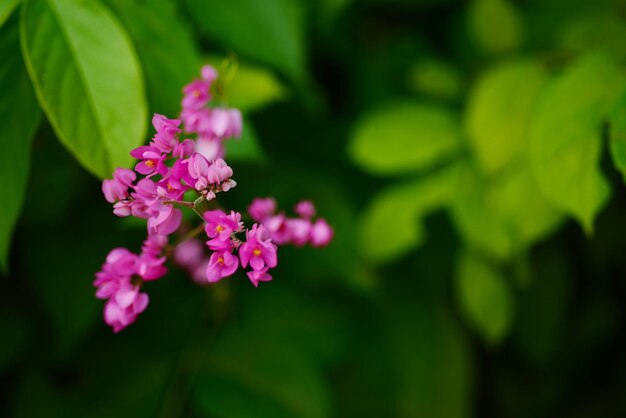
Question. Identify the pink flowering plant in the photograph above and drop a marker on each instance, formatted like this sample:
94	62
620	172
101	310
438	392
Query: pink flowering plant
183	167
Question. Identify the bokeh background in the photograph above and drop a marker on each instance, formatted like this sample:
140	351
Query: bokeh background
469	154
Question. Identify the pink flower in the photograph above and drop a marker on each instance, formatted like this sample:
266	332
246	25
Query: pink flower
210	148
123	308
321	233
305	209
258	249
117	188
208	74
152	161
196	94
299	231
259	276
221	264
189	253
220	227
165	220
262	208
165	139
277	227
150	263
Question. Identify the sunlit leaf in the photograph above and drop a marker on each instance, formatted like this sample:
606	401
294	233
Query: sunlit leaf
166	48
498	112
484	298
88	81
19	118
404	136
565	136
269	31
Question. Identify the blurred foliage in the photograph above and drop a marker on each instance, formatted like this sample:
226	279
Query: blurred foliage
471	157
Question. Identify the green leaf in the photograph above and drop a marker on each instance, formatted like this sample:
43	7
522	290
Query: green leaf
87	79
493	214
19	118
166	48
484	298
252	87
269	31
599	29
403	137
617	134
495	25
246	148
6	8
498	112
565	136
391	224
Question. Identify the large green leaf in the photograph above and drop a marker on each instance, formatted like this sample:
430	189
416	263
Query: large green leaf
565	136
404	136
484	298
391	224
269	31
493	214
87	80
246	148
498	112
165	45
6	8
19	118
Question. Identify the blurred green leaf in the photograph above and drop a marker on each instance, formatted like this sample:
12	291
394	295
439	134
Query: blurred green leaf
403	137
484	298
436	78
493	214
496	25
88	81
269	31
498	112
19	118
6	8
166	48
565	136
252	87
391	224
617	133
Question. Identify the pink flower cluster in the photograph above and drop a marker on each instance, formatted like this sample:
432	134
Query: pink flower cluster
296	231
212	125
121	277
169	169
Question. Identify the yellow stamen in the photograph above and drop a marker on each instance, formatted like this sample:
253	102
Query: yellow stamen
219	228
220	260
256	252
150	163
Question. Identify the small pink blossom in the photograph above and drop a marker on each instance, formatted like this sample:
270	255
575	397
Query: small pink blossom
262	208
305	209
116	189
221	264
259	276
258	249
321	233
